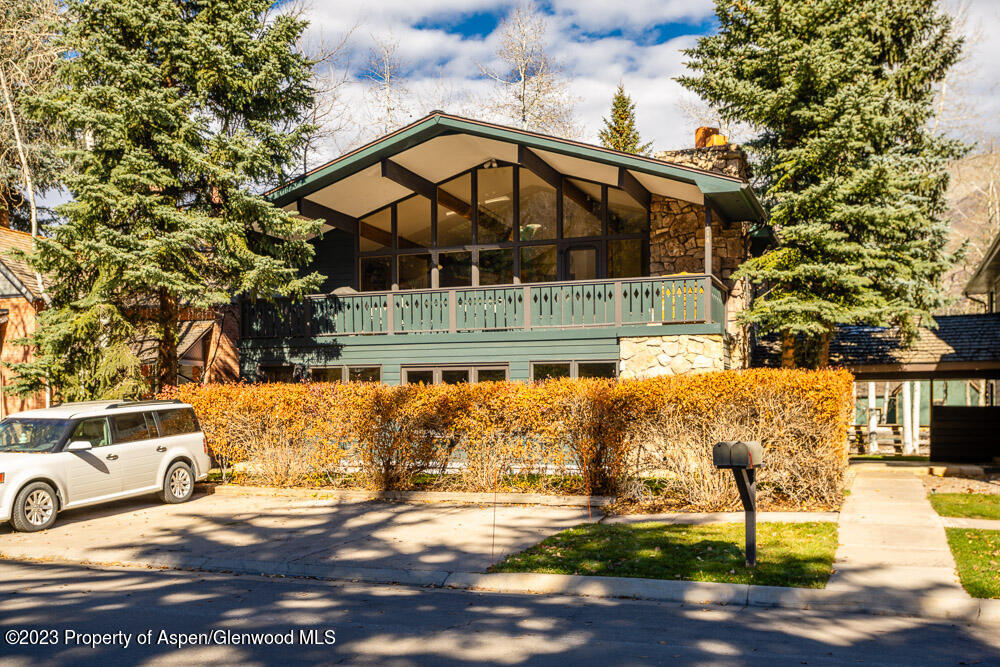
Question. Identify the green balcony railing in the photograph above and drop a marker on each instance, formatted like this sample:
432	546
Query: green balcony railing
686	299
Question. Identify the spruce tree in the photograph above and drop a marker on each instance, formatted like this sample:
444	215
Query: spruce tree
619	131
840	93
181	111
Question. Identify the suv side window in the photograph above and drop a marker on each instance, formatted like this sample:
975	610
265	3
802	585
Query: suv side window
133	426
176	422
95	431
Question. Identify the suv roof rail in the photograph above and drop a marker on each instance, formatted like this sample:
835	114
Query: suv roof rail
131	404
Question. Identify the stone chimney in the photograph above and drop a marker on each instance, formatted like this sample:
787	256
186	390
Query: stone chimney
712	152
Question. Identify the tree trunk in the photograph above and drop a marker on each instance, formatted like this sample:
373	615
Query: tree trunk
787	350
167	326
823	356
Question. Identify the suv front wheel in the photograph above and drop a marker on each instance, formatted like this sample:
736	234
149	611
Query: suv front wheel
178	485
35	508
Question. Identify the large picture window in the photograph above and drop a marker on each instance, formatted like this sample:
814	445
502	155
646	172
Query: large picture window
502	224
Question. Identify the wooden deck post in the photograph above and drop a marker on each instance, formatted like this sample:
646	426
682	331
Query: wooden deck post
708	239
872	419
389	324
907	418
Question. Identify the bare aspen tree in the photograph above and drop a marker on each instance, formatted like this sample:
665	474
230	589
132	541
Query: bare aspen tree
700	114
329	114
28	61
531	91
974	212
386	88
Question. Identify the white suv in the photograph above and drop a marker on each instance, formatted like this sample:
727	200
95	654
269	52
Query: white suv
80	454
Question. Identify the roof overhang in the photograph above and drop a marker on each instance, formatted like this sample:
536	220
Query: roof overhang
988	272
440	146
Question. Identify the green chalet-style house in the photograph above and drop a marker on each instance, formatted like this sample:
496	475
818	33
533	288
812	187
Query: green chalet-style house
457	250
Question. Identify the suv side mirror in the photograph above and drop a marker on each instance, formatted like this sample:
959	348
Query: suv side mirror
79	446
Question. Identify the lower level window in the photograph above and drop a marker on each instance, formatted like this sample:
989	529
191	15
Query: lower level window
346	374
454	374
551	370
277	373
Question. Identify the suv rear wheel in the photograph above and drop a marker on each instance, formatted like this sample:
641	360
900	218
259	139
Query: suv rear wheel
178	485
35	508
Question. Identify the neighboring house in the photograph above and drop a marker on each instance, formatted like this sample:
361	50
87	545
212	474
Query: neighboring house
457	250
20	302
207	347
946	382
985	281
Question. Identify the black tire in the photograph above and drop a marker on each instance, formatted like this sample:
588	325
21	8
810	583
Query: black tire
178	484
35	508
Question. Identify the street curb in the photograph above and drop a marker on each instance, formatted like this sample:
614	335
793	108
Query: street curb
966	609
455	497
699	518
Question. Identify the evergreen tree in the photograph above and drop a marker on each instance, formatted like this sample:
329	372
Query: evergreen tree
180	110
619	131
840	93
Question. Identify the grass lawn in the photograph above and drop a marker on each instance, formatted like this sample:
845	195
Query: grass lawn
788	554
977	554
967	505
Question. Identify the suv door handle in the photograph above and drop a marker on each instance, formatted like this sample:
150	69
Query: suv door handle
112	457
161	448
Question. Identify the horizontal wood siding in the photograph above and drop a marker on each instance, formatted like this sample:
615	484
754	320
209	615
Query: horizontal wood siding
961	434
515	348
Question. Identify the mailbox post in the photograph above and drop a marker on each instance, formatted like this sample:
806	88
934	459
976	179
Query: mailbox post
743	458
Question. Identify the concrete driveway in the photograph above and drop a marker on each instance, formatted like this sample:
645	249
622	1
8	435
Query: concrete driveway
269	529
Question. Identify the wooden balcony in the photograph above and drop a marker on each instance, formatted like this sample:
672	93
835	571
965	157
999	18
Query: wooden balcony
683	299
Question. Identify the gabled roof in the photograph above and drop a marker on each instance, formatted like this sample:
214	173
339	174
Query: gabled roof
189	333
16	271
988	272
960	339
442	145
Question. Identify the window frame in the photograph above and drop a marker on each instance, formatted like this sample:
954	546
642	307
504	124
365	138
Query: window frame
574	366
147	418
345	371
107	428
159	424
436	370
562	243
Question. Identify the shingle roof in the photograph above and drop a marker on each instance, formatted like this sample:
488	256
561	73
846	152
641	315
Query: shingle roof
11	239
958	338
189	333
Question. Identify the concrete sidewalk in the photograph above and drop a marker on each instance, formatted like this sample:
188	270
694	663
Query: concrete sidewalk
290	531
893	549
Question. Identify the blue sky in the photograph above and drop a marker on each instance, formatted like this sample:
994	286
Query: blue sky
599	43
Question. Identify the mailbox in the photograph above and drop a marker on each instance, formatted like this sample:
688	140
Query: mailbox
743	458
738	455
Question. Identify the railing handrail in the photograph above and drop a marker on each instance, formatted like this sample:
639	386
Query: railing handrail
693	298
555	283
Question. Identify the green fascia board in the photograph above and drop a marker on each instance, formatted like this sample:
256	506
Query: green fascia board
730	196
486	337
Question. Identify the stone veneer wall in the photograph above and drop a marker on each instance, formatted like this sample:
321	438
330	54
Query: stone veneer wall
651	356
728	159
677	245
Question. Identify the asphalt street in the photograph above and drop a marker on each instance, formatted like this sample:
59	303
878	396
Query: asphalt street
51	614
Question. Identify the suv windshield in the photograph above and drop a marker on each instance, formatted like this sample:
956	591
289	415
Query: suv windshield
32	435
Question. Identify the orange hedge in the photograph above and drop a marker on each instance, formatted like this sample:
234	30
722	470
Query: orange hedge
607	433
